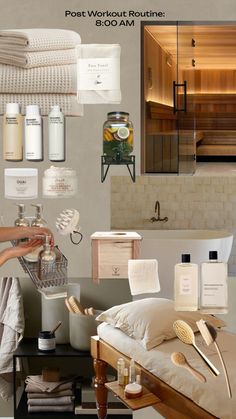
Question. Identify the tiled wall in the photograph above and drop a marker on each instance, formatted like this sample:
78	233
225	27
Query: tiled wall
188	202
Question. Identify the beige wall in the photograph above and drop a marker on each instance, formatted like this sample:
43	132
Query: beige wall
84	135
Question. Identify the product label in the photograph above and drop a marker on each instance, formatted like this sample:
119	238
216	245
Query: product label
32	121
46	344
98	74
214	295
55	120
11	120
185	285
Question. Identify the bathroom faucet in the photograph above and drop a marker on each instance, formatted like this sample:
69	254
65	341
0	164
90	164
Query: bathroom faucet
158	211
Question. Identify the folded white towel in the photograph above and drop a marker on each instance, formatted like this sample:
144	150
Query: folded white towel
38	39
98	73
68	103
64	408
143	276
51	79
38	58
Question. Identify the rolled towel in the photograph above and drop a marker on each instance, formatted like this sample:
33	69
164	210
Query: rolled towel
52	401
37	59
38	39
64	408
35	383
42	395
143	276
68	103
51	79
98	73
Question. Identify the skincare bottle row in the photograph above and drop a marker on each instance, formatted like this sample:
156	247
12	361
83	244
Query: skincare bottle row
210	283
33	130
125	375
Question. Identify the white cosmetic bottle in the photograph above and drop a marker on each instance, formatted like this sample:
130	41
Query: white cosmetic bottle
214	289
186	285
33	134
56	134
12	133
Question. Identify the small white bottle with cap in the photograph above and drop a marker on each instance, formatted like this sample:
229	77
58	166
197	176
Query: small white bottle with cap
56	134
12	133
33	134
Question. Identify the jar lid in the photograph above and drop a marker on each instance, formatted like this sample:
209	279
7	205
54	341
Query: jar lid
55	171
117	113
20	172
133	388
46	334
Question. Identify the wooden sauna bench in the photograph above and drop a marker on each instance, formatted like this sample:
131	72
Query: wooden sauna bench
217	143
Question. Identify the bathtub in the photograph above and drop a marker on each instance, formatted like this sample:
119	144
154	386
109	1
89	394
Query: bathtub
167	246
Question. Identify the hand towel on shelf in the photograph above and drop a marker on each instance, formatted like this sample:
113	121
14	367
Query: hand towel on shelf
43	395
68	103
38	58
143	276
98	73
64	408
35	383
38	39
51	79
52	401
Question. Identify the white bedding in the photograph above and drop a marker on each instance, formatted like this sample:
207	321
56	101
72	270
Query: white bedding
212	395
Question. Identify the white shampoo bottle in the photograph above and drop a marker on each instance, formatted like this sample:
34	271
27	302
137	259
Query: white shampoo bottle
186	285
12	133
56	134
33	134
214	288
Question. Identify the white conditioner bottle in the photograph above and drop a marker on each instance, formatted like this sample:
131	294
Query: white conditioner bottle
33	134
56	134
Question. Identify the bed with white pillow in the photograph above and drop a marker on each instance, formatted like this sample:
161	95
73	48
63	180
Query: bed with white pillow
143	330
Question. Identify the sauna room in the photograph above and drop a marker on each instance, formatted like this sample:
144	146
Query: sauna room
188	97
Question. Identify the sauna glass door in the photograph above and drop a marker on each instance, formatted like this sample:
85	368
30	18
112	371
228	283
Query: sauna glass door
168	76
183	102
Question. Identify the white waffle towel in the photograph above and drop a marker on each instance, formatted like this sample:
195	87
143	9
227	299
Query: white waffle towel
38	39
51	79
143	276
98	73
68	103
38	59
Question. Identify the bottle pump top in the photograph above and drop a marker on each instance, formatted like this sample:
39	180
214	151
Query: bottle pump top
213	255
12	108
21	210
185	258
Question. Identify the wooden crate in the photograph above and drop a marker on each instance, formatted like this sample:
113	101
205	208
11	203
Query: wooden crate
111	252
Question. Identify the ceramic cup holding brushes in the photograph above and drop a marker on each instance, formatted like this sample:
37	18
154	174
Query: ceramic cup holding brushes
47	340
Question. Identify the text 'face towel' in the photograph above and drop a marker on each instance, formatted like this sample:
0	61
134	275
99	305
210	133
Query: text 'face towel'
143	276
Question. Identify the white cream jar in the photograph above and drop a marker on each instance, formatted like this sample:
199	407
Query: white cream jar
59	182
21	183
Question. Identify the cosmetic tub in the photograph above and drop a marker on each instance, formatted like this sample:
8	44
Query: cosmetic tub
21	183
46	341
59	182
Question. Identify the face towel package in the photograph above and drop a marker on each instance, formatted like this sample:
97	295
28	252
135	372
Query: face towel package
98	73
143	276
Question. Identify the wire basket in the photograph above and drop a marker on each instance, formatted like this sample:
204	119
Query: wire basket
56	274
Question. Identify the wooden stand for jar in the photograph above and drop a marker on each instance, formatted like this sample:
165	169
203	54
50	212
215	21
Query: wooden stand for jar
107	161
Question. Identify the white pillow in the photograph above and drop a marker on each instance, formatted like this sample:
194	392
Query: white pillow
150	320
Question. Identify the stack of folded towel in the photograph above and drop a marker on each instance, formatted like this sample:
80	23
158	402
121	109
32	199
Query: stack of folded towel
46	396
38	66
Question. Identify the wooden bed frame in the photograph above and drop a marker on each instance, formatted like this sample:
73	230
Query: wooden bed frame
167	401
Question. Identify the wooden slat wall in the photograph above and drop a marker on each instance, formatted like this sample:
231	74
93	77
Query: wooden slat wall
162	153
